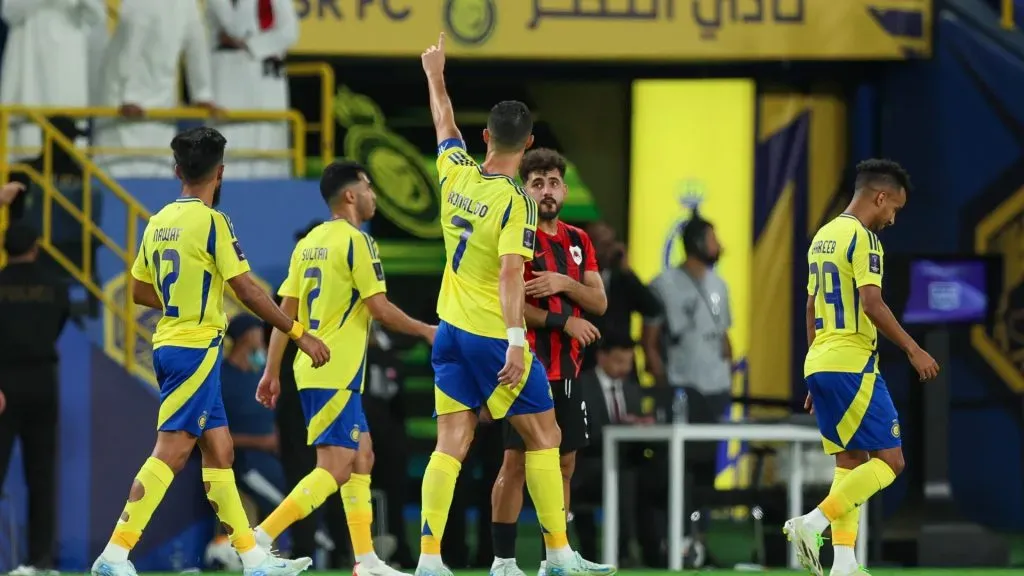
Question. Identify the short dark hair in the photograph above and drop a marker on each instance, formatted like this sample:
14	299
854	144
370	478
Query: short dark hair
20	239
198	152
881	172
541	160
614	341
337	176
510	124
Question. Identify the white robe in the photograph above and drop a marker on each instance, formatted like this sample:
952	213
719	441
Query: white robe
140	66
242	83
45	60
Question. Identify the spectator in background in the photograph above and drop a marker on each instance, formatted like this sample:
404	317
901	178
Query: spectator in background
693	334
45	60
140	72
11	195
613	397
626	293
34	308
250	40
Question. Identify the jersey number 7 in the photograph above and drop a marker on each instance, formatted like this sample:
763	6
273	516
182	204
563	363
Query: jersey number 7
467	231
833	297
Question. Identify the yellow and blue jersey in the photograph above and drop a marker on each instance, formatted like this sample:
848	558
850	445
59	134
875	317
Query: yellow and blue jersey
843	256
483	217
187	253
332	270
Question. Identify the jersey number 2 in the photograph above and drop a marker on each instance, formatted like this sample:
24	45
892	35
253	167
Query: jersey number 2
170	256
833	297
318	275
467	231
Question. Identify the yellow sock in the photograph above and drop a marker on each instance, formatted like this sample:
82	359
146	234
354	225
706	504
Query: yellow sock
844	528
544	482
438	488
154	476
222	492
860	484
355	496
307	496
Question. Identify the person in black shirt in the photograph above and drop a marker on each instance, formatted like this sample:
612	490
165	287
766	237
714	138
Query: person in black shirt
34	308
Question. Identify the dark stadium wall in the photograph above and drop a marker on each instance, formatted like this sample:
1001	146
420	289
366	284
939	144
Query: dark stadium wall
957	123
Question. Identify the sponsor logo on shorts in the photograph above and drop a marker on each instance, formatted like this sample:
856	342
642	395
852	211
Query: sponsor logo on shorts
202	420
354	434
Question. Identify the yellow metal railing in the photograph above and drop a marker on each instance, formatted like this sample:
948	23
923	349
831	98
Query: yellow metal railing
326	127
297	153
1007	19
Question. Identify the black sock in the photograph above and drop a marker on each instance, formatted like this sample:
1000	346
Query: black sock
504	539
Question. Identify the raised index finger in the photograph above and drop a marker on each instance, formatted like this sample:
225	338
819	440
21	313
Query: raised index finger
440	41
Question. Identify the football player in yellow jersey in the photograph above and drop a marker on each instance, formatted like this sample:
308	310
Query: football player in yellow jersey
188	252
845	312
335	286
480	358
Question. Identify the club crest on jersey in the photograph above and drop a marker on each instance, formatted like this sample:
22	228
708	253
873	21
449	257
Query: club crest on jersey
577	254
875	263
895	430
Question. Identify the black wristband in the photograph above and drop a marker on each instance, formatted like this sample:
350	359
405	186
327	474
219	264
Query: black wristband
555	321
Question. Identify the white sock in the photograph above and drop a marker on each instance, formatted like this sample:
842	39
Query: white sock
431	561
816	520
263	540
501	561
559	555
115	553
369	559
845	558
253	557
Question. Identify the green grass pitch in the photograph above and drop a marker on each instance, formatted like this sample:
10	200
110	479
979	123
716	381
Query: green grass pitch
878	572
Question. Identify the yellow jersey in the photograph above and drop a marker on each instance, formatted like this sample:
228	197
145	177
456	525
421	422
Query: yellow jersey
483	217
187	253
332	270
843	256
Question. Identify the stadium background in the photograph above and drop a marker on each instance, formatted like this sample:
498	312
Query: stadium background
755	111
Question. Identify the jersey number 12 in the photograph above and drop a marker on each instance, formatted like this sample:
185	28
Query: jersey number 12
833	297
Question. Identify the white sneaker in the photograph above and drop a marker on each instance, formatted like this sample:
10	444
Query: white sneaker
103	567
857	571
440	571
505	567
24	570
274	565
577	566
807	542
379	569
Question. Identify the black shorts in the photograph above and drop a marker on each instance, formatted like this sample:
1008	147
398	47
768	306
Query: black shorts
570	413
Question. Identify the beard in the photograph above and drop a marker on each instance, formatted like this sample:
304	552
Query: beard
216	193
549	210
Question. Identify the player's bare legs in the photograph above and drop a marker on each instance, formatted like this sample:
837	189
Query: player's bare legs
358	503
859	475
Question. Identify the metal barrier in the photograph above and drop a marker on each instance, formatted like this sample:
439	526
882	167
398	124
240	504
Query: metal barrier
326	127
297	153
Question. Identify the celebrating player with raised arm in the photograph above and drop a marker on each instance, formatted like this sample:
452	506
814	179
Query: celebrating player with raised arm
855	413
188	252
562	282
336	286
480	356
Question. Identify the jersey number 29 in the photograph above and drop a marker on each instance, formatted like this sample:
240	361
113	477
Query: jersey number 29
833	297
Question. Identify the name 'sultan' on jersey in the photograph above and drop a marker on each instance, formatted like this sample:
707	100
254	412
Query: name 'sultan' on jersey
314	254
467	204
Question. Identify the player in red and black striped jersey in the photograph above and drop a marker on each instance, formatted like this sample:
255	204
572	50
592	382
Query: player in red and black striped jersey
562	282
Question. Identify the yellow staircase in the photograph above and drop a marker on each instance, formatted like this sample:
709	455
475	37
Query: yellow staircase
128	328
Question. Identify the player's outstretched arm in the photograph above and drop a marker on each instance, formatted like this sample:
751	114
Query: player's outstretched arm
433	60
260	303
393	318
144	294
879	313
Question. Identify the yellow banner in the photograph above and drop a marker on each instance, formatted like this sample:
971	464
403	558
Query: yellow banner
693	146
655	30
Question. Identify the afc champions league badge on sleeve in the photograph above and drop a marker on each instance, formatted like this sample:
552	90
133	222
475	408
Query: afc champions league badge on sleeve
690	193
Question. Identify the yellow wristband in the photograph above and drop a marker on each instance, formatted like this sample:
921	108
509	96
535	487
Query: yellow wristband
297	331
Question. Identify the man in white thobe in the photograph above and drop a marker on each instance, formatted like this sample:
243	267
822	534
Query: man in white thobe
45	61
140	72
250	39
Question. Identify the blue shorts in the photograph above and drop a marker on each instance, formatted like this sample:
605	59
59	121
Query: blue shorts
466	370
189	380
333	417
854	411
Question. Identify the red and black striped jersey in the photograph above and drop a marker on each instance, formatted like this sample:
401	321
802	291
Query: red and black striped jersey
567	252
